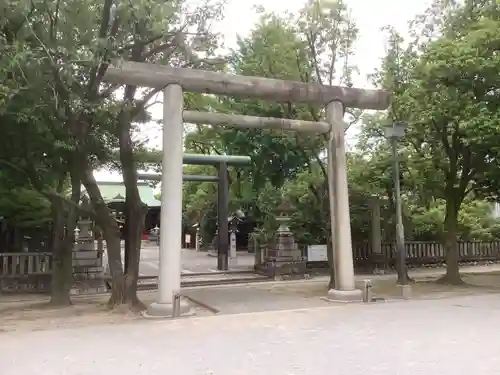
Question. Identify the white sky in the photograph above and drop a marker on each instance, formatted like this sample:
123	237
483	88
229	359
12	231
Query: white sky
370	17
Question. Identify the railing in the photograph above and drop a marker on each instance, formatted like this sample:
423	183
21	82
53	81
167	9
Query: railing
419	252
25	272
33	270
13	265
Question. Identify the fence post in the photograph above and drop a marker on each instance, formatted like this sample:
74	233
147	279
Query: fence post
376	232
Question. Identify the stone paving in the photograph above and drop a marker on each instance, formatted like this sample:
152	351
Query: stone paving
456	336
192	261
251	298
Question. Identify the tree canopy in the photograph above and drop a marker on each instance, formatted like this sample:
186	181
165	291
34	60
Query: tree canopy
444	85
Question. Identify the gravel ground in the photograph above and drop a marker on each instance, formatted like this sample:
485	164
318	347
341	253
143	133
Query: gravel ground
452	336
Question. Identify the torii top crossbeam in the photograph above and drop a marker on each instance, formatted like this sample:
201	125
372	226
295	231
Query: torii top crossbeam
202	81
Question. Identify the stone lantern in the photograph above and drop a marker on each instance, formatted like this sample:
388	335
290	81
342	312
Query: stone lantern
233	229
88	268
197	239
284	243
283	255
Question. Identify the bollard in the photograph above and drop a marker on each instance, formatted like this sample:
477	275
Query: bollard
367	291
405	291
176	305
273	269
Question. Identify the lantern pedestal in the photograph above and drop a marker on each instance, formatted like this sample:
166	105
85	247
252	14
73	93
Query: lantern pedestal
282	257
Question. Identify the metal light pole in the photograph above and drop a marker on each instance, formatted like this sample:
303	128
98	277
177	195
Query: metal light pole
393	133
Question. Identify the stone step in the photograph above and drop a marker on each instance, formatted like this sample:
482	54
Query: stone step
205	280
284	259
217	272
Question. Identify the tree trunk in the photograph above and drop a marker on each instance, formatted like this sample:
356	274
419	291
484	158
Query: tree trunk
324	204
111	234
329	254
62	251
134	217
452	275
62	272
135	211
324	201
17	245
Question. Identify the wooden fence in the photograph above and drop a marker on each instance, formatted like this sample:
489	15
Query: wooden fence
419	253
25	271
33	271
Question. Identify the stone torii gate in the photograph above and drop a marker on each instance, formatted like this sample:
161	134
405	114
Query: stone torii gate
176	81
220	162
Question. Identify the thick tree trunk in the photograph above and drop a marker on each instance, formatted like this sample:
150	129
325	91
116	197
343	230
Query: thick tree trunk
135	211
324	201
111	234
62	272
399	266
135	216
62	252
452	275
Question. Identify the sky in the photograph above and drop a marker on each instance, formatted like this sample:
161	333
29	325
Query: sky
370	17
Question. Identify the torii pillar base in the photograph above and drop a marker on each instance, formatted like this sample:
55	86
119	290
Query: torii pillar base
345	296
167	310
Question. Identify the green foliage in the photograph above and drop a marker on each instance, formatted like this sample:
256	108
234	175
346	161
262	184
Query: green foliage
311	46
444	85
24	208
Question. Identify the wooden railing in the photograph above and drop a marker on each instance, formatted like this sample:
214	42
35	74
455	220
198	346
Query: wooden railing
25	272
419	252
34	269
13	265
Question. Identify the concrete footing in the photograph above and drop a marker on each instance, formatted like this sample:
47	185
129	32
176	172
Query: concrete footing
346	296
88	290
405	291
167	310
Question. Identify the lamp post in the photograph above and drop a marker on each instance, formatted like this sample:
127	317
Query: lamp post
393	133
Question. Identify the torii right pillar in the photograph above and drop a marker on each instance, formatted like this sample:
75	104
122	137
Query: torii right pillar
343	262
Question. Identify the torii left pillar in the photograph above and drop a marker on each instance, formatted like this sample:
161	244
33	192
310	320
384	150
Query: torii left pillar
169	303
345	284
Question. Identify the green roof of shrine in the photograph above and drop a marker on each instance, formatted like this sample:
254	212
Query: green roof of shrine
115	191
